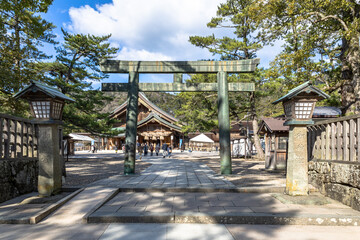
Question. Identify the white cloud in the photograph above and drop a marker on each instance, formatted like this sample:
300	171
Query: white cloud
156	28
268	53
141	55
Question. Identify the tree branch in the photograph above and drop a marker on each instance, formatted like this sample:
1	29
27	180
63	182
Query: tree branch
324	18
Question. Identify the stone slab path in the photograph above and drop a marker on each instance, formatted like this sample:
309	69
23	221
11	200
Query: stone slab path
170	173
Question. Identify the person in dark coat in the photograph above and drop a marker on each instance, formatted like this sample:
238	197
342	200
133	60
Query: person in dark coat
157	149
145	149
151	149
165	150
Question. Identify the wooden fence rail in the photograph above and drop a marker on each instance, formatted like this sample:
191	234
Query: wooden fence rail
18	138
336	139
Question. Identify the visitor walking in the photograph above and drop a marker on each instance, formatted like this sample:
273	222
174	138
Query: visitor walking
169	151
141	149
157	149
93	148
146	149
164	148
151	149
138	146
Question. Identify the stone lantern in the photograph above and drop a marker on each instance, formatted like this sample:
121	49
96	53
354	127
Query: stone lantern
47	105
299	104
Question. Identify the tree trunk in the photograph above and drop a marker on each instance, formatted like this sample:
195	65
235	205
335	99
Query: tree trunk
354	61
347	89
259	150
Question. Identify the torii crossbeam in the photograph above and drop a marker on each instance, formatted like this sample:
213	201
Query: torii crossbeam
134	68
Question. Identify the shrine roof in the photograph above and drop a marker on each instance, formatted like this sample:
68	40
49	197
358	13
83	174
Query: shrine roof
273	125
161	120
150	104
35	86
305	87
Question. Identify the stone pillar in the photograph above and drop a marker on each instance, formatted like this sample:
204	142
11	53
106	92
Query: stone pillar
224	123
297	164
50	160
131	124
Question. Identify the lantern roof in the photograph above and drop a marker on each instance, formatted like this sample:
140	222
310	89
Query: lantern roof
47	90
306	87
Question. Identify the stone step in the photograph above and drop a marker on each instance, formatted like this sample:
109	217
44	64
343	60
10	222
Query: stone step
214	206
225	218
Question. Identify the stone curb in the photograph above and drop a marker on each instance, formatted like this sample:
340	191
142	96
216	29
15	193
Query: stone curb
36	218
208	190
98	205
226	218
53	207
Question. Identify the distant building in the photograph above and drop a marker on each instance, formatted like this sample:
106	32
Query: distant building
239	130
276	136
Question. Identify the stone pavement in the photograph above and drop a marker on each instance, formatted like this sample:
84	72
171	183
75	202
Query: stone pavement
170	173
206	195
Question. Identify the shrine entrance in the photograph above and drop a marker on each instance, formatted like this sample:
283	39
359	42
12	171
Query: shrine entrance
222	87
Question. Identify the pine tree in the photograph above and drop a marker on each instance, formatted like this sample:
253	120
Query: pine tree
75	69
22	32
235	15
321	43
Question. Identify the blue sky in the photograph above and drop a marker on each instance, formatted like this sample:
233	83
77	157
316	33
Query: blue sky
144	29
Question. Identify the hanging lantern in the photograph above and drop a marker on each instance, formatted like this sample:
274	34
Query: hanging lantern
146	138
162	138
153	138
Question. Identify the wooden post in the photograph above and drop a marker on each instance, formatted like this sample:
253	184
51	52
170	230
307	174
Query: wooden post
352	140
22	139
345	141
328	142
309	143
131	124
339	141
7	142
224	123
333	141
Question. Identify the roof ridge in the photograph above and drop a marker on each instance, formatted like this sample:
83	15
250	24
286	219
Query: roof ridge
156	107
152	114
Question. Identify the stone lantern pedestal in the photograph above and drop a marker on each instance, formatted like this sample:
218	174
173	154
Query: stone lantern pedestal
297	162
50	159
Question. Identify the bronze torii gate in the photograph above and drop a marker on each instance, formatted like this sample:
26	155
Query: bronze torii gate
134	68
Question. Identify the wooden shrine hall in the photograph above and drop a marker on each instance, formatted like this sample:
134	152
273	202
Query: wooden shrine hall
153	124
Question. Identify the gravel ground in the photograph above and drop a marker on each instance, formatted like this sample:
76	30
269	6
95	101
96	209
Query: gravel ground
87	168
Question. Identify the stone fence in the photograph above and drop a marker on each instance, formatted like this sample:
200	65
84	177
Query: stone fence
334	158
18	157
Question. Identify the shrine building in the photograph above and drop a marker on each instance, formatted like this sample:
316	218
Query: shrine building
154	125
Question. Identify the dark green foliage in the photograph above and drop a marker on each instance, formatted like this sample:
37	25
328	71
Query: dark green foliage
198	111
22	32
75	68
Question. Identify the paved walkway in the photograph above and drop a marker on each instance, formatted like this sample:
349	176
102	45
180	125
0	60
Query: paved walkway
170	173
164	184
